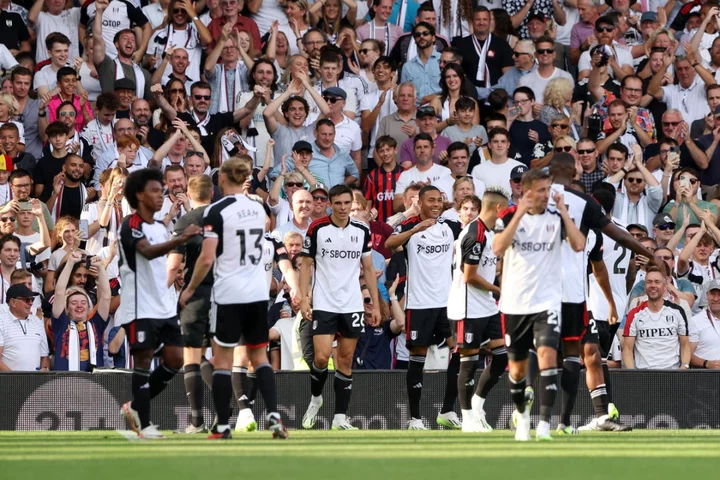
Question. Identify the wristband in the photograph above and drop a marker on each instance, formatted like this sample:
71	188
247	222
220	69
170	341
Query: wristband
394	298
195	18
686	365
694	64
42	114
704	363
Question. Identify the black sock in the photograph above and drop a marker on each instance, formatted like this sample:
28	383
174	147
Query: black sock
451	383
265	382
317	379
599	398
252	387
466	380
206	370
222	395
491	375
159	379
141	395
517	393
342	385
194	390
608	386
548	392
414	380
532	368
238	382
569	381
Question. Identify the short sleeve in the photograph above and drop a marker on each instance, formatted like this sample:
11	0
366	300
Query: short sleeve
473	244
310	241
596	253
693	331
136	15
504	218
584	63
455	227
279	250
131	233
682	322
593	216
212	223
367	242
180	226
44	349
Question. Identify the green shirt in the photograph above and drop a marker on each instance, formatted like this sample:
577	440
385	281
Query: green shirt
702	205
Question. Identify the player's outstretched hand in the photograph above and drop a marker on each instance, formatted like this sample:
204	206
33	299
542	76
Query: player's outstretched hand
190	232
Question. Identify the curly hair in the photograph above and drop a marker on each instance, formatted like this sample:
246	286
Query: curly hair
465	11
558	93
503	24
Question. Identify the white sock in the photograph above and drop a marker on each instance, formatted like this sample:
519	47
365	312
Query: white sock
222	428
467	415
543	426
339	418
316	400
478	403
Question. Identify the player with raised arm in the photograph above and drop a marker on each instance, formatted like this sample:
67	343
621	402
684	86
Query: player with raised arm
427	240
147	312
471	303
529	239
337	246
234	228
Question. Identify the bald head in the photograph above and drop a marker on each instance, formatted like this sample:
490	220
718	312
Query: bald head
124	126
302	203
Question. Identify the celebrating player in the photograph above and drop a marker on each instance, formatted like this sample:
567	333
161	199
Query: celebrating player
471	302
337	245
147	311
529	239
427	242
234	228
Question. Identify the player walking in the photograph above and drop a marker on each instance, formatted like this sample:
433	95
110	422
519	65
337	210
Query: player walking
337	245
471	303
147	311
530	239
234	228
427	242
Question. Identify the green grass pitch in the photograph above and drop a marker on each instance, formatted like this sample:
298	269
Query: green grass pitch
367	455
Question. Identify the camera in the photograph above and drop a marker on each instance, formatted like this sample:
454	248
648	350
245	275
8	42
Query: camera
603	51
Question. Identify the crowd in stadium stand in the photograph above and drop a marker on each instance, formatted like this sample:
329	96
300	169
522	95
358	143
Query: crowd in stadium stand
385	96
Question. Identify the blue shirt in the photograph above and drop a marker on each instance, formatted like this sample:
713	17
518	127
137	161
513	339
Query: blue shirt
425	76
508	82
412	8
330	171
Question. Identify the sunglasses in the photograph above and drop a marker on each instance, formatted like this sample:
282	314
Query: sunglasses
178	10
566	148
635	180
559	125
331	99
545	51
177	90
202	97
421	34
192	153
7	219
322	198
586	152
67	114
366	50
666	226
517	54
27	301
367	300
692	181
671	124
606	29
516	180
294	184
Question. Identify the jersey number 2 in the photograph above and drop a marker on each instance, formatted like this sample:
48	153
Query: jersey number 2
258	234
617	269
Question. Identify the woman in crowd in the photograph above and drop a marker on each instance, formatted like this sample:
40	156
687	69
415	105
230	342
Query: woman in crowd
558	99
176	95
452	82
298	24
327	16
88	73
567	144
501	26
67	233
462	189
277	49
7	112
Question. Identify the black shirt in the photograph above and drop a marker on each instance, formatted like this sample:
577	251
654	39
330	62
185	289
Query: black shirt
45	171
71	202
13	30
519	137
499	56
191	249
122	114
155	138
216	122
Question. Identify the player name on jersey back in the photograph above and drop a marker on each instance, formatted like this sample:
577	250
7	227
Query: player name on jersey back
473	247
429	262
239	225
337	253
532	270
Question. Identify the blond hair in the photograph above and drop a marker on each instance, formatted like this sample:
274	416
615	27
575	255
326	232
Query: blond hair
558	93
236	170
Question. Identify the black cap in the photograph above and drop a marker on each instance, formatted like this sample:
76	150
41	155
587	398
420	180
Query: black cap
336	92
539	15
425	111
663	219
302	146
19	290
517	172
124	84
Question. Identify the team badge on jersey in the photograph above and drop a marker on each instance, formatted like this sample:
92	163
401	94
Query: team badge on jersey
469	337
477	249
140	337
307	242
315	324
413	335
137	233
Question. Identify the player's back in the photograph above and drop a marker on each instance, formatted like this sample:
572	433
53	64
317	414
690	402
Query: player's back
532	271
239	225
617	262
144	281
586	214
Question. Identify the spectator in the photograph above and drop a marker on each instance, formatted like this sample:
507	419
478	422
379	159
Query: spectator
679	288
347	131
543	152
378	103
426	120
21	184
496	170
373	351
228	78
642	194
462	188
558	99
423	70
694	264
523	56
663	229
99	132
703	331
302	202
27	109
619	60
405	46
525	131
67	81
589	161
330	164
379	28
538	79
656	330
47	17
582	36
401	124
15	36
290	183
458	161
380	183
78	328
321	203
19	351
7	111
425	171
686	187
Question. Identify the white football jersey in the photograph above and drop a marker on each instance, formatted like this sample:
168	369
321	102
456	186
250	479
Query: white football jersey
657	342
238	223
473	247
617	262
532	275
